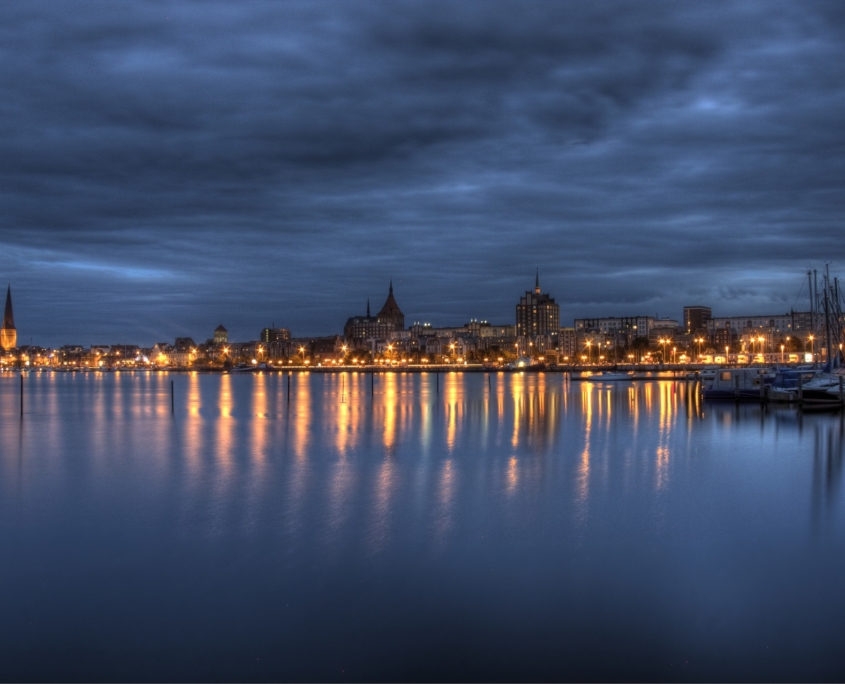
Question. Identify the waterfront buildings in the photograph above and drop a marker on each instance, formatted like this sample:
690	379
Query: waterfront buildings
537	333
8	333
766	332
629	327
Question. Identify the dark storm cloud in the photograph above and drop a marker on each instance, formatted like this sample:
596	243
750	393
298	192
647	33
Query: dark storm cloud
166	166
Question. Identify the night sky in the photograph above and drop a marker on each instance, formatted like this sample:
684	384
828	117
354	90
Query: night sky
170	166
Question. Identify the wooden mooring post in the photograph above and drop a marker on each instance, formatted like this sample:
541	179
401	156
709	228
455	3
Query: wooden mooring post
172	399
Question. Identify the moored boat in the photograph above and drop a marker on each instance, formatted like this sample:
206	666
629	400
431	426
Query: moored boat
605	376
736	384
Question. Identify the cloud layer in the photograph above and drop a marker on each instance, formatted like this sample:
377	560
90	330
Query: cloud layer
168	166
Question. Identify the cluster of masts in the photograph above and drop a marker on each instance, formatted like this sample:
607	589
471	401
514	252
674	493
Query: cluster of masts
828	303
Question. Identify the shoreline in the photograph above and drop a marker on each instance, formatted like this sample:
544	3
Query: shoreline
367	370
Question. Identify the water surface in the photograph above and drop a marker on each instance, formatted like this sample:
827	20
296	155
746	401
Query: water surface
505	527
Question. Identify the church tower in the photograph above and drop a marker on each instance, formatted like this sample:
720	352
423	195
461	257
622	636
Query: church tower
391	313
8	333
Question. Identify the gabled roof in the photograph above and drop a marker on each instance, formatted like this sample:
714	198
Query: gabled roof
390	308
220	328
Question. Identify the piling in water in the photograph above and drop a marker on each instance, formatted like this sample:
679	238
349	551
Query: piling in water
172	402
21	395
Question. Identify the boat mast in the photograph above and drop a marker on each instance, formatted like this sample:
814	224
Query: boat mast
810	285
826	281
837	309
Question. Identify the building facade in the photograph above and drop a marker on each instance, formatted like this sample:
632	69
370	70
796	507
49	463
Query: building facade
695	318
567	343
270	335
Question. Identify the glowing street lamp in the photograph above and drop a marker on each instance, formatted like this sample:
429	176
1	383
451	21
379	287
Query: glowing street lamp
663	342
812	346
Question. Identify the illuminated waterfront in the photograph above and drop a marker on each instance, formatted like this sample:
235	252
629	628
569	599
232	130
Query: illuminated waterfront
510	526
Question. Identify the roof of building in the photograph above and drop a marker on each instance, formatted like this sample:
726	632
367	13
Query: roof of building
220	328
390	308
8	315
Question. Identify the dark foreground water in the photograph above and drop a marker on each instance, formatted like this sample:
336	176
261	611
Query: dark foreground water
528	528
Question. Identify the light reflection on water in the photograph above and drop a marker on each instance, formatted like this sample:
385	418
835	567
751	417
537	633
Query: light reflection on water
499	494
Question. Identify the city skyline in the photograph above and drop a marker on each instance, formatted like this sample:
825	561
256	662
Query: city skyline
390	320
169	167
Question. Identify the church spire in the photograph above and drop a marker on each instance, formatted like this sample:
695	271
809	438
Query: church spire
8	334
8	315
537	282
391	287
368	307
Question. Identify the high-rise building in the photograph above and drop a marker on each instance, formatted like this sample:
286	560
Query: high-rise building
8	333
695	318
388	320
537	314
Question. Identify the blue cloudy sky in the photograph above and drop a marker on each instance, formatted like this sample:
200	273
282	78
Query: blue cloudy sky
168	166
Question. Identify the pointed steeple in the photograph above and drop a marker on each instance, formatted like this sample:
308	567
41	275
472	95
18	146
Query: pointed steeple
8	315
8	334
391	287
368	307
537	282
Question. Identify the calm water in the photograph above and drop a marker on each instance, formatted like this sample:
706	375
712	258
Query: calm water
528	528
